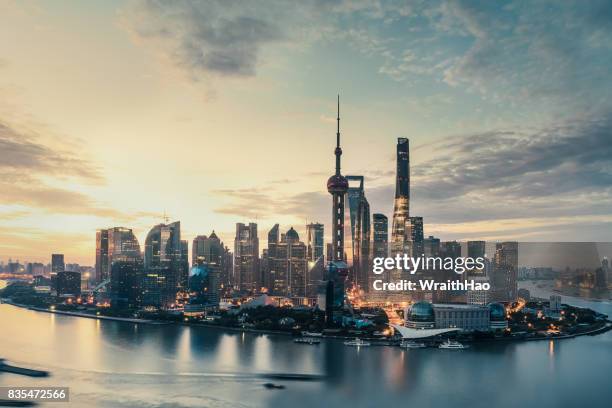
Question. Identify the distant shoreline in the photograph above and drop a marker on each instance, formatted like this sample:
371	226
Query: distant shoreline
381	342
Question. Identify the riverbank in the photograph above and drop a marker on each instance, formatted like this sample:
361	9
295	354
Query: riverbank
375	341
87	315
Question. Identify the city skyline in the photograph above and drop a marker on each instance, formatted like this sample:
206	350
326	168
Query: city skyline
134	126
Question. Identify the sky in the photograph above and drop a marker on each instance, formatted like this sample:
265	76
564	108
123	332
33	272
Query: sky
114	113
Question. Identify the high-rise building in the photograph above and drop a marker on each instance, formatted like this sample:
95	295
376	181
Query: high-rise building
246	258
102	261
476	249
359	210
206	282
478	297
57	263
114	243
380	243
314	241
431	246
380	248
286	264
337	270
417	239
504	273
57	266
68	283
126	280
163	264
183	277
400	230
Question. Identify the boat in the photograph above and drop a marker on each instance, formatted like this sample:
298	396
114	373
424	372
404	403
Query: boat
452	345
311	334
272	386
307	340
412	344
357	342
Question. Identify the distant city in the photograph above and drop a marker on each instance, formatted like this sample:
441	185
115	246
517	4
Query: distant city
166	276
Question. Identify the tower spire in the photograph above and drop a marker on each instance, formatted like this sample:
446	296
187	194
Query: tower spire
338	151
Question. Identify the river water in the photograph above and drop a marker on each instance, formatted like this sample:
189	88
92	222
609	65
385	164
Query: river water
116	364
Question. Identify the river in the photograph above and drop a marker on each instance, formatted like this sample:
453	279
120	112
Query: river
116	364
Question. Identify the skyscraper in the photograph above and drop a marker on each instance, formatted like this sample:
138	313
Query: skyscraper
113	243
246	257
205	277
126	280
359	210
57	263
102	265
504	286
400	234
314	241
416	236
163	263
57	266
380	245
337	269
476	249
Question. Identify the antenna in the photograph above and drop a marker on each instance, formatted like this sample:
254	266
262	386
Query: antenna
166	218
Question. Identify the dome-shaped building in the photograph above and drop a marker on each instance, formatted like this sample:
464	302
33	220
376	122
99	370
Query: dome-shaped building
497	316
292	235
420	315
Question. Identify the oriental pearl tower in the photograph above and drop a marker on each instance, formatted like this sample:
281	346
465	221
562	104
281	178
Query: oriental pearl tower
337	269
337	185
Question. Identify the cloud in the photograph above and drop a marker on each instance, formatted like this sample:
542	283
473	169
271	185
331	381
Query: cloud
529	184
33	175
20	152
218	38
568	158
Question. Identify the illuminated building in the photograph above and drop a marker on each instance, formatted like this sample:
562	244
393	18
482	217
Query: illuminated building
126	278
246	258
286	263
208	252
400	237
425	316
380	243
163	263
113	243
68	283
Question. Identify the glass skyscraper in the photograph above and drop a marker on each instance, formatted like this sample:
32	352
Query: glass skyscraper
400	234
314	241
163	263
246	257
359	210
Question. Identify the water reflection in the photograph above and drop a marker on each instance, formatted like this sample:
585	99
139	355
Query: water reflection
197	366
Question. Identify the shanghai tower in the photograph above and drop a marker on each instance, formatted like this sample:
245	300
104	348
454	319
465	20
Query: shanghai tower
400	233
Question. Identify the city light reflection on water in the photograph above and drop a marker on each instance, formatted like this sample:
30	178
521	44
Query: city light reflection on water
123	365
